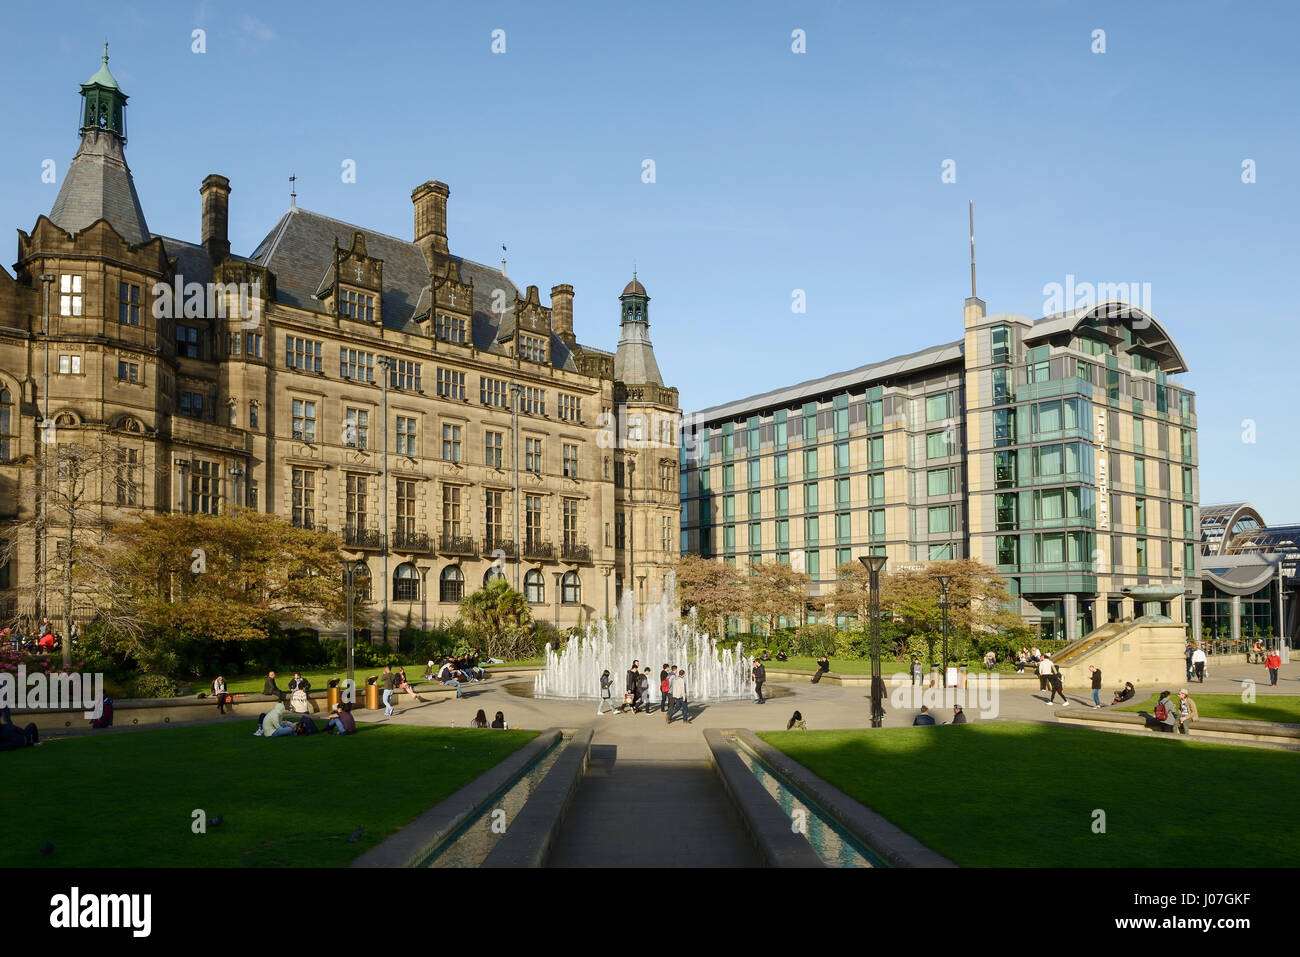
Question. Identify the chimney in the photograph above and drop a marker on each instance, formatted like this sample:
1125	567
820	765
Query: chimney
562	312
430	200
216	216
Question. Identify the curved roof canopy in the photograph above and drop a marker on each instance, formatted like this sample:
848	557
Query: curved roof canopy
1131	327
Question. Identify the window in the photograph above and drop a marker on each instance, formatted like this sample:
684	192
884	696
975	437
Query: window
493	442
532	348
940	519
810	527
810	497
187	342
1004	426
782	501
304	498
1000	341
1139	439
781	467
406	583
252	415
1185	438
1006	510
533	455
6	423
532	401
938	407
232	414
532	521
1140	473
843	528
492	514
406	435
69	295
728	477
728	538
304	420
232	343
357	305
812	564
570	523
253	345
1004	469
127	479
1187	482
356	503
570	408
128	371
205	488
356	429
534	587
841	493
450	443
571	589
451	384
729	508
936	444
666	533
451	584
1008	550
452	329
191	405
404	375
1142	556
492	392
619	531
810	463
1001	394
128	304
843	556
303	354
876	488
354	364
451	511
1140	513
876	451
69	365
782	429
938	482
755	470
405	511
570	461
755	534
841	457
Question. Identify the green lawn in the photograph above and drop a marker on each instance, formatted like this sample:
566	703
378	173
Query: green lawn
1023	795
252	684
125	799
1265	707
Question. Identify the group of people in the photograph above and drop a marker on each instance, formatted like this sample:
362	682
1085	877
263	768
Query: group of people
43	639
1028	657
1178	713
1196	661
274	724
481	721
926	719
457	671
637	696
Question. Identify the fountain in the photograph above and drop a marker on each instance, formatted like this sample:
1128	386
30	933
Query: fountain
659	637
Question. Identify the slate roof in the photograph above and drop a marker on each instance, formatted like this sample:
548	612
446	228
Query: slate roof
98	185
299	250
634	362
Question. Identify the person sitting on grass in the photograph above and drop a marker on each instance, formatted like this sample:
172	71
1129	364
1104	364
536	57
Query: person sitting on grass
499	721
13	737
1124	693
273	726
924	718
480	720
796	723
341	721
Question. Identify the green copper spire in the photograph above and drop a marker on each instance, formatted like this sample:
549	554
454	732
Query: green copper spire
104	103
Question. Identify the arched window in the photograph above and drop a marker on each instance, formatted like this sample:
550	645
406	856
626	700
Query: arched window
492	573
406	583
534	587
361	583
451	584
6	420
571	589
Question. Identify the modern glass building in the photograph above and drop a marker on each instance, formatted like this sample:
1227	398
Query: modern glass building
1056	449
1249	584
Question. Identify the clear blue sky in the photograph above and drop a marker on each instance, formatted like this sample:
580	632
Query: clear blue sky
775	171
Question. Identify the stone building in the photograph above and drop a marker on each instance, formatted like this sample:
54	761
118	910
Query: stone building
446	425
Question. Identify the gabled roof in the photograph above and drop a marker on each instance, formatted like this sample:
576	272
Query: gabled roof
98	185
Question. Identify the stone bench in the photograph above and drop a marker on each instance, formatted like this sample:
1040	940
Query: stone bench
1226	729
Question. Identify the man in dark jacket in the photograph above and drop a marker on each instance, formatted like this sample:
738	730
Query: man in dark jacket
924	718
633	676
389	681
760	675
271	687
958	715
13	737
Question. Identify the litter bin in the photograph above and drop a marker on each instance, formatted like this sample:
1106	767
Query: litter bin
372	697
332	695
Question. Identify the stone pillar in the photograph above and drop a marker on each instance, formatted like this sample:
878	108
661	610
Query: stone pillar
1196	619
1071	616
1236	618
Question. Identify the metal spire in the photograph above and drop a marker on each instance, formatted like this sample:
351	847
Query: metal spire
972	249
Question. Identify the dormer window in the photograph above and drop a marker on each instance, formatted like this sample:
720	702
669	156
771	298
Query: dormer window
532	348
356	305
452	329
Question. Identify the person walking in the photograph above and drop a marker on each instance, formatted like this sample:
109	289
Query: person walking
1057	683
663	687
1044	673
1199	663
643	691
219	692
1096	685
605	682
390	685
633	678
678	685
1187	653
1186	711
1272	662
760	675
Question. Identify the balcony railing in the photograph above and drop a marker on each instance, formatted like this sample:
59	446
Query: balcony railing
405	541
536	549
573	552
457	545
363	537
509	548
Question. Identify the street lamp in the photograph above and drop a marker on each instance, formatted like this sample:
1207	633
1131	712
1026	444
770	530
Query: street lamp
350	570
874	564
943	581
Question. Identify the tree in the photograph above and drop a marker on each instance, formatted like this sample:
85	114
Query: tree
499	617
715	589
775	591
232	577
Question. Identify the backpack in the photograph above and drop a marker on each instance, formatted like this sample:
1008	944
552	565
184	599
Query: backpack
306	726
1162	713
663	686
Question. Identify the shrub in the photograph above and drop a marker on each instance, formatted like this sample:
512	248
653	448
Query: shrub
153	686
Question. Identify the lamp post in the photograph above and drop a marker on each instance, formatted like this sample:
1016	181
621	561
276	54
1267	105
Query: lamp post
47	280
943	605
385	363
516	396
874	564
350	569
236	473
